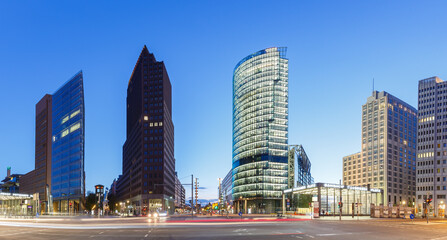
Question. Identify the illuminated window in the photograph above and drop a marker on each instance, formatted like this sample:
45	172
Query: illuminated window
75	127
75	113
146	118
65	119
65	133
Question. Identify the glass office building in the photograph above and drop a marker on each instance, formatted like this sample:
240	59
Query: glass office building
260	131
67	168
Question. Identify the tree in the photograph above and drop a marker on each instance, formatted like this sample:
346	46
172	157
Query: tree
302	200
112	202
90	201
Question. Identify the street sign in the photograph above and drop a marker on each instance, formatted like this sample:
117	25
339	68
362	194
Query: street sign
240	214
411	216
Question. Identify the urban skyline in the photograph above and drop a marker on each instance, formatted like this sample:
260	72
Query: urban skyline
103	152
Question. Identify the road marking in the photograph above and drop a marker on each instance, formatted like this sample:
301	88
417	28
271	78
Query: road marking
146	235
101	232
310	236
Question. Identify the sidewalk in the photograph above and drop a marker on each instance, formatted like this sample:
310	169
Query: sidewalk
345	218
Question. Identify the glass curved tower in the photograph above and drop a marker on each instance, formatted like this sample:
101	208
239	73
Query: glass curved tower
260	130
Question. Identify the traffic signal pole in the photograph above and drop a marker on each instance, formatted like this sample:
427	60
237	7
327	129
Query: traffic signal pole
341	203
427	206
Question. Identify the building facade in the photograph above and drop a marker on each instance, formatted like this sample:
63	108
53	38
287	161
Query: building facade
11	183
388	156
148	180
260	130
432	146
67	153
39	180
227	189
179	193
350	169
299	167
59	175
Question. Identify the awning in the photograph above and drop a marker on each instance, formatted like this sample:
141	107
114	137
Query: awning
14	196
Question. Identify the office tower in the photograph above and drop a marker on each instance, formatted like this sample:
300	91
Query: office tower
388	156
179	193
260	130
58	175
39	179
148	180
67	153
432	146
299	167
227	189
43	144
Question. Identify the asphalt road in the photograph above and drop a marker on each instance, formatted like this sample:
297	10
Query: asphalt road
314	229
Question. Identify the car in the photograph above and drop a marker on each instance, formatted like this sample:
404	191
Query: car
158	214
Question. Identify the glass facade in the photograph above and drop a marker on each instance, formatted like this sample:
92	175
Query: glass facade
299	167
68	145
260	126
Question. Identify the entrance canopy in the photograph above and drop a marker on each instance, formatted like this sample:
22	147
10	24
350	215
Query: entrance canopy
328	197
14	196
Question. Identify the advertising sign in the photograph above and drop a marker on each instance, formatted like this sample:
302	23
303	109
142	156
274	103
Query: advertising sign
316	210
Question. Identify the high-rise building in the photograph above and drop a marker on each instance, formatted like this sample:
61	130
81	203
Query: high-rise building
38	180
67	153
388	156
260	130
432	146
227	189
59	173
148	180
179	193
43	146
299	167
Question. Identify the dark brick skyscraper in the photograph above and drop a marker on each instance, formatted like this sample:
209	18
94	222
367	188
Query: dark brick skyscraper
148	180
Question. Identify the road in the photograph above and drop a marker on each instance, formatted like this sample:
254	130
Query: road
142	229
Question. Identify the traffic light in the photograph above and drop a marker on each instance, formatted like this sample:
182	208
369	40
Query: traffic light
340	204
429	200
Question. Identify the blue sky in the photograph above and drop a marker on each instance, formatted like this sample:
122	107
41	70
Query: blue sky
335	49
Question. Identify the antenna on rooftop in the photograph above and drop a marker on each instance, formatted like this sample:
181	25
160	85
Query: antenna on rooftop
373	84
